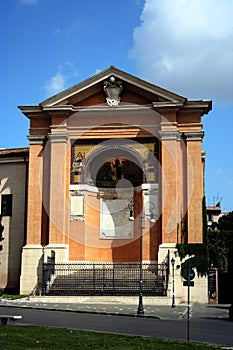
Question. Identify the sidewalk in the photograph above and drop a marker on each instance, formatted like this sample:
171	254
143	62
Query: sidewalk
117	309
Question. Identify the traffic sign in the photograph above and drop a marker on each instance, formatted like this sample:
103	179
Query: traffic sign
188	274
188	283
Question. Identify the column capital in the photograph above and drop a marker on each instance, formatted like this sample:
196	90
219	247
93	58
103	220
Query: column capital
36	139
193	135
169	135
58	138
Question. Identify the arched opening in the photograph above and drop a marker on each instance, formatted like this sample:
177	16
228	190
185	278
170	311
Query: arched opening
107	166
103	163
116	169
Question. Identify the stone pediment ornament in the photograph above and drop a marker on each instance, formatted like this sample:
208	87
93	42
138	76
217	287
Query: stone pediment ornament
112	89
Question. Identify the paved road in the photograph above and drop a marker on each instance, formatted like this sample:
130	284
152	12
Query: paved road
214	331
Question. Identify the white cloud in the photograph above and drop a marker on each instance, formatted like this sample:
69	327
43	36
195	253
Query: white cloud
187	46
71	29
98	70
59	81
29	2
219	172
55	84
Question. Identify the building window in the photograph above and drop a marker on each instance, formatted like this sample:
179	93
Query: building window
6	205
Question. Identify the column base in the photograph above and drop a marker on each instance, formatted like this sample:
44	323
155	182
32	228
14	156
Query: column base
33	257
31	269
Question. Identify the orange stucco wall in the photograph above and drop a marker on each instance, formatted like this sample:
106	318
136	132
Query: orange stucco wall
34	219
170	194
195	192
86	245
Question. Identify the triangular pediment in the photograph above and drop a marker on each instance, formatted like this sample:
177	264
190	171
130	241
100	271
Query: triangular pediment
91	91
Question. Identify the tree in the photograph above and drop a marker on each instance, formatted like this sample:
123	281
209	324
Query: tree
196	254
225	223
220	243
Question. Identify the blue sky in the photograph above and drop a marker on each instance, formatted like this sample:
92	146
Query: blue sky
185	46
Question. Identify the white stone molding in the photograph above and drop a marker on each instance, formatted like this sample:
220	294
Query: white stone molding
36	139
169	135
58	138
194	135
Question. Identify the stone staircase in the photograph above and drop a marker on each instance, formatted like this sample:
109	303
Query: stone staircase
106	281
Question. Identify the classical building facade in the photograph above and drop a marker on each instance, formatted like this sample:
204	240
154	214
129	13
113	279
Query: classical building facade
13	198
115	165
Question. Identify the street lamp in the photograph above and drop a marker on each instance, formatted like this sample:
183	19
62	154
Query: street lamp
173	282
1	231
131	206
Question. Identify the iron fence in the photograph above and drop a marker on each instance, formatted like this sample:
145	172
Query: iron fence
104	278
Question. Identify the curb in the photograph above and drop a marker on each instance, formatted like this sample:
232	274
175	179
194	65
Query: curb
108	313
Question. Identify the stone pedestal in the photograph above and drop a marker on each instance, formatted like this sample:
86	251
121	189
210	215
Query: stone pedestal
31	270
61	252
32	265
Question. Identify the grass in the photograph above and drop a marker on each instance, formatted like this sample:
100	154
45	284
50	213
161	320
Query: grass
46	338
12	296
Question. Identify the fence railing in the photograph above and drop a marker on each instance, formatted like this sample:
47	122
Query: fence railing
104	278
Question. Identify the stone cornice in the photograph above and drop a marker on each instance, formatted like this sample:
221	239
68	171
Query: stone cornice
201	107
105	108
167	105
35	112
169	135
58	138
36	139
185	107
59	110
32	111
193	135
189	125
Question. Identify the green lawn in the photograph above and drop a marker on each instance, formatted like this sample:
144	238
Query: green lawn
12	296
41	338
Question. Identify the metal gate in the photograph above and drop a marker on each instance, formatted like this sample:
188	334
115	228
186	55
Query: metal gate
104	278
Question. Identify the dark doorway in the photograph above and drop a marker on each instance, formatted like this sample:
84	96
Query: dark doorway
225	282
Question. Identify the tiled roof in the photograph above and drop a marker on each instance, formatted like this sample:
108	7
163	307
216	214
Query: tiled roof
13	152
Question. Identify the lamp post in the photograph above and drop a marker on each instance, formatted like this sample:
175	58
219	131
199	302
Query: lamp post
140	303
1	231
131	206
173	282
